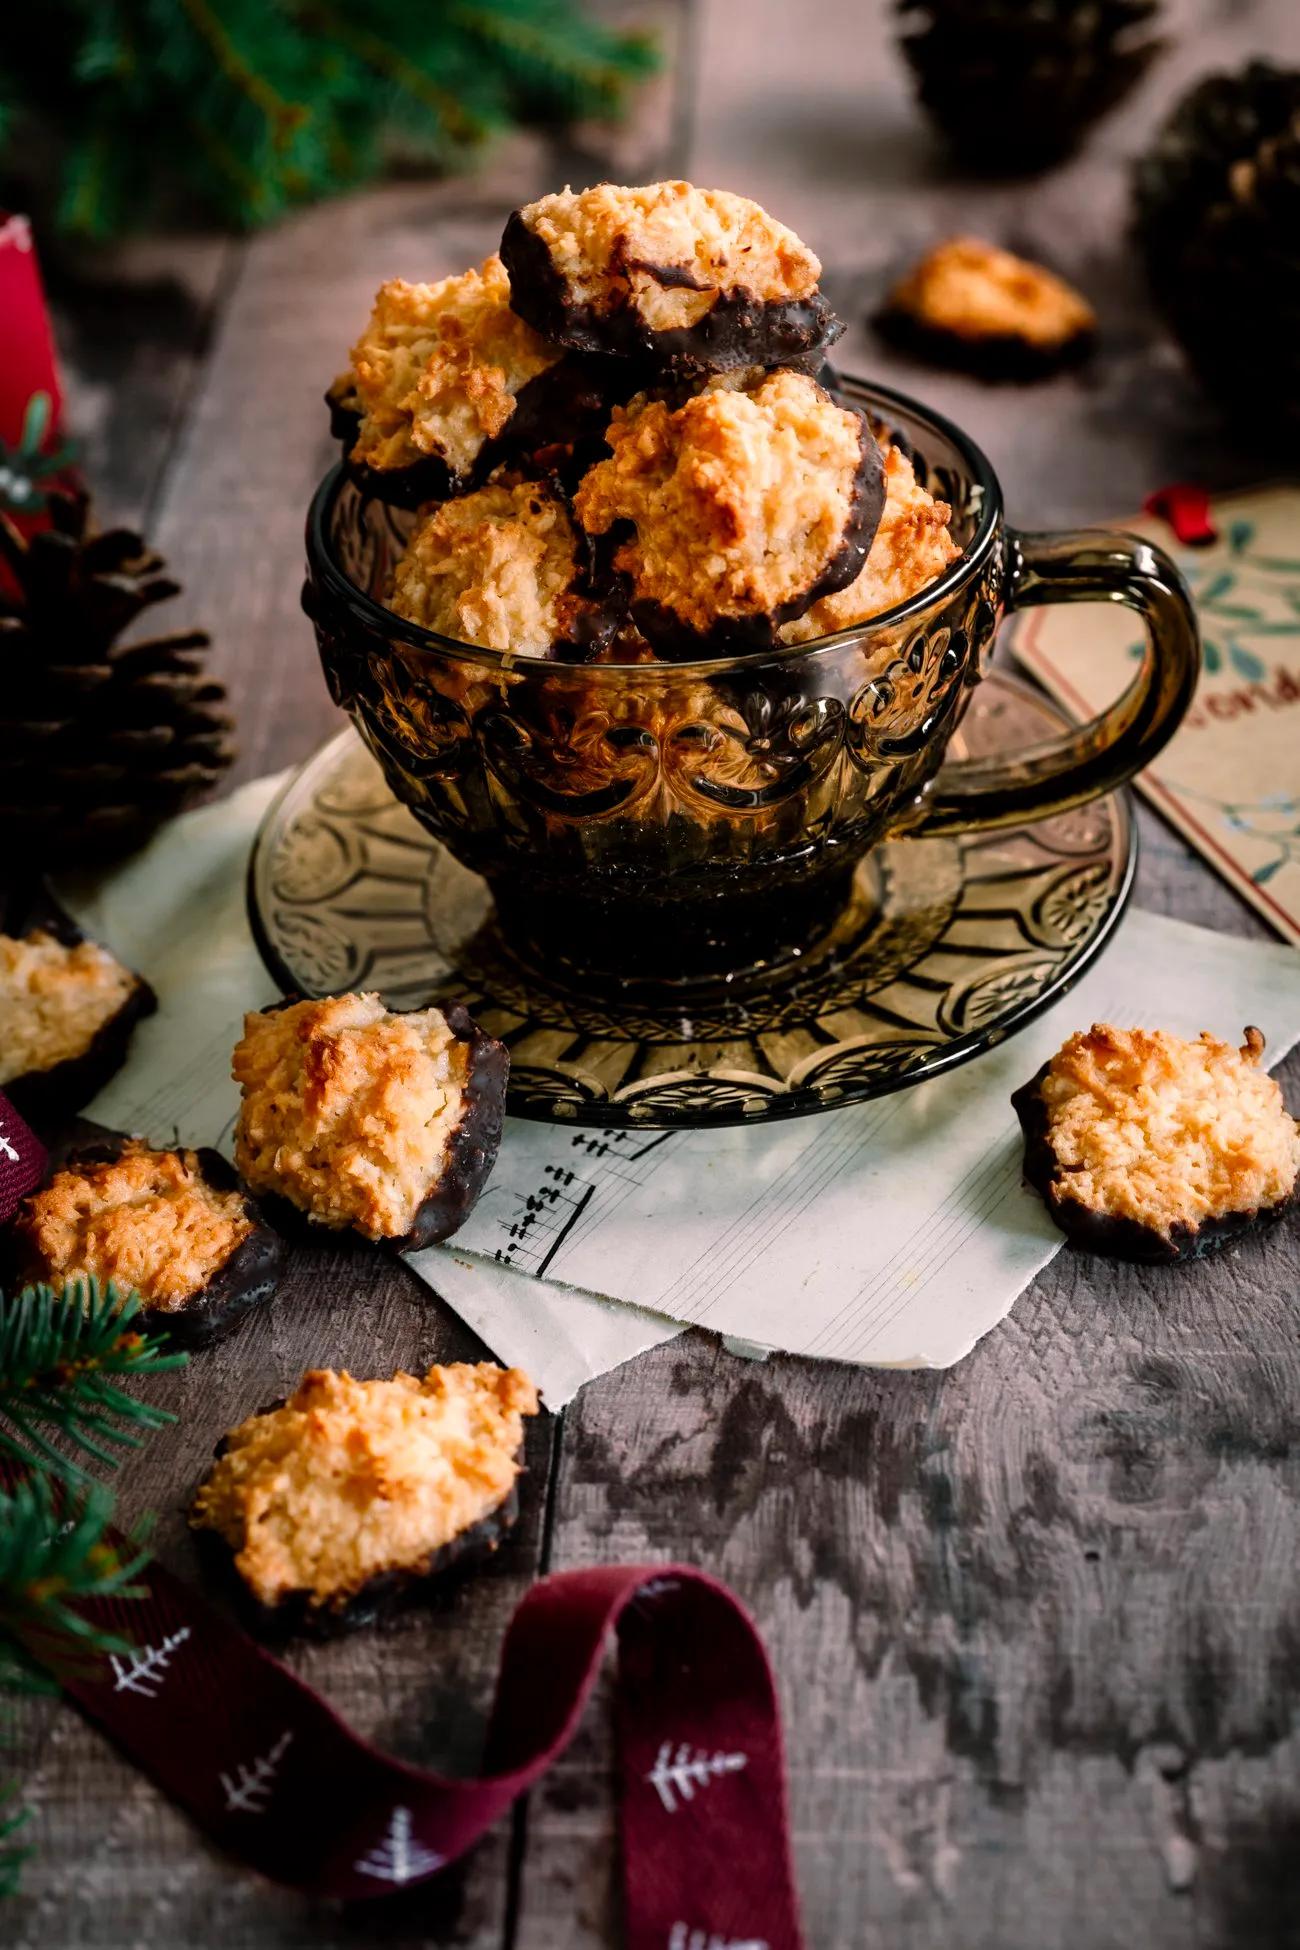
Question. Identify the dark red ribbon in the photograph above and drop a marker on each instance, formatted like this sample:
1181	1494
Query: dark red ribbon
275	1776
22	1159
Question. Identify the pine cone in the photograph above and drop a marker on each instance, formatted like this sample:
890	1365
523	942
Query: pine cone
1218	222
1014	84
100	741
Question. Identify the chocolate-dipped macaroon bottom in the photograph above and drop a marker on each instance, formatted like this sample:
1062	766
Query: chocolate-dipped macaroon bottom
79	1060
995	356
739	329
679	642
267	1129
1121	1235
385	1595
556	430
352	1498
149	1209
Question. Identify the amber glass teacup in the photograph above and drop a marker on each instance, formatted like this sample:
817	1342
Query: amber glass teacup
676	823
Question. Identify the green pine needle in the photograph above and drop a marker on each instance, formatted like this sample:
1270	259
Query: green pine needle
56	1557
61	1359
255	106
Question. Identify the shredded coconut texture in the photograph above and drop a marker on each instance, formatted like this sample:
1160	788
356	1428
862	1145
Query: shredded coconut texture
740	497
976	291
348	1109
612	245
1148	1127
54	1000
352	1479
147	1220
495	568
911	549
438	367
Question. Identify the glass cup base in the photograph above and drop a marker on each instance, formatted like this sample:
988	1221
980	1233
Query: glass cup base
648	949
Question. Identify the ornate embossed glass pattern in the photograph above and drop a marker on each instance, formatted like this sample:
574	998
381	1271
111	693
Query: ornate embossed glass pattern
665	825
945	946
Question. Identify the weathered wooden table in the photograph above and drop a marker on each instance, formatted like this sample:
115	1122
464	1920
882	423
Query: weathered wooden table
1035	1619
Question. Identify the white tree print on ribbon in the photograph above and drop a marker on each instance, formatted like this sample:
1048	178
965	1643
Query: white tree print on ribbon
144	1672
675	1776
399	1857
683	1937
247	1794
659	1588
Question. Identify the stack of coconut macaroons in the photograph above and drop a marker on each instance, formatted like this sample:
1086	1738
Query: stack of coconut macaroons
617	446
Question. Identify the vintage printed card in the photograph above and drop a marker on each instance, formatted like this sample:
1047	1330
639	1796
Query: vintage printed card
1230	778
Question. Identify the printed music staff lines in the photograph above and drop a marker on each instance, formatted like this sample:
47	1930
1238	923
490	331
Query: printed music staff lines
541	1219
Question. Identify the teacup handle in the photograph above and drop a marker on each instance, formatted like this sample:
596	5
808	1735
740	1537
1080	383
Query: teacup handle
1086	566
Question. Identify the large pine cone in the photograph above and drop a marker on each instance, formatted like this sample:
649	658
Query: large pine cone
1218	221
1014	85
100	741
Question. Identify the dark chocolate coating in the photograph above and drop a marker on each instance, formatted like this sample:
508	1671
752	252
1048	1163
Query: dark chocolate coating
471	1150
738	330
386	1592
249	1275
474	1144
46	1096
1099	1232
998	356
729	635
557	426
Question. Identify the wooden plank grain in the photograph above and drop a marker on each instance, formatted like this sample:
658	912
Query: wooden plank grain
114	1864
209	425
1033	1618
133	326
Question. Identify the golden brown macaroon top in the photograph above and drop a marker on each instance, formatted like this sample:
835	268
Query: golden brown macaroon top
147	1220
611	245
741	497
54	1000
1148	1127
911	549
352	1479
976	291
348	1109
438	367
494	568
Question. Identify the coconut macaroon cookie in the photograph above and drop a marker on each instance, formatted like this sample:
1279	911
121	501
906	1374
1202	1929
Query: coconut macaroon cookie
359	1117
351	1493
437	379
911	549
669	270
67	1009
740	507
503	568
970	304
1149	1147
173	1226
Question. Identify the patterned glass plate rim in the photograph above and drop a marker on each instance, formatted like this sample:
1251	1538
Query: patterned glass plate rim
949	947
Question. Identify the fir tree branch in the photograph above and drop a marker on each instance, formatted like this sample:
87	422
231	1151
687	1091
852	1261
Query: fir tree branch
253	106
61	1359
391	62
56	1558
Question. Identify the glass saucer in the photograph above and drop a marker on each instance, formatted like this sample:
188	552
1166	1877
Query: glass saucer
947	947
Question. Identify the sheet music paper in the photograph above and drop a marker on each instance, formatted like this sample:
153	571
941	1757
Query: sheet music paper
176	912
893	1232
